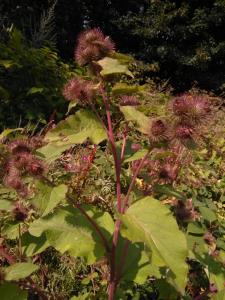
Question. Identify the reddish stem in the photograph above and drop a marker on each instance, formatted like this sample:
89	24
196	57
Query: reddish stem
113	146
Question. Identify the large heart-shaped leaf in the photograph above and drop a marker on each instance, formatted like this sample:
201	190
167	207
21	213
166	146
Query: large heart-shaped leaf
132	114
151	222
19	271
69	230
73	130
47	197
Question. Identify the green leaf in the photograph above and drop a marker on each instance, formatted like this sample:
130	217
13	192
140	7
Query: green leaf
136	266
136	156
19	271
70	106
9	291
152	223
35	90
195	228
6	205
8	131
48	197
123	58
166	291
219	296
32	245
73	130
111	66
132	114
208	214
10	229
6	63
168	190
85	296
215	270
69	230
121	88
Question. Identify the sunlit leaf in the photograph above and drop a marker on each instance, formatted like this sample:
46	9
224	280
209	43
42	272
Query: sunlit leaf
152	223
73	130
69	230
132	114
111	66
48	197
19	271
32	245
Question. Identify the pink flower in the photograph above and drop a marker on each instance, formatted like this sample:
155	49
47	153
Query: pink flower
92	45
196	108
79	89
183	132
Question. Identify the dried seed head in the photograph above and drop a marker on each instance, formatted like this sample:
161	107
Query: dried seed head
129	101
185	211
19	146
92	45
196	108
209	238
13	180
79	89
158	131
35	166
183	132
169	172
20	212
158	128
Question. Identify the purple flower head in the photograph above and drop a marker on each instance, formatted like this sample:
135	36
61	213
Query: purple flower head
19	146
158	130
79	89
92	45
183	132
169	172
196	108
20	212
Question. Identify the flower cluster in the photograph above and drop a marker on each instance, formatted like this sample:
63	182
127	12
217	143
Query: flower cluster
191	107
92	45
188	115
80	90
21	161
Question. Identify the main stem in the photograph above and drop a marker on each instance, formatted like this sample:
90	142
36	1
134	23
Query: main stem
114	274
117	163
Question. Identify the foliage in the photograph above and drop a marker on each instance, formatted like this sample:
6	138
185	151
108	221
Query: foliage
174	38
30	82
124	194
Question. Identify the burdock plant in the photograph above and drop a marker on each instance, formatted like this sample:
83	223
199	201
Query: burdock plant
137	237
